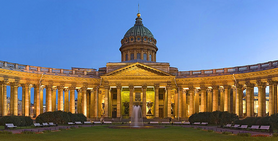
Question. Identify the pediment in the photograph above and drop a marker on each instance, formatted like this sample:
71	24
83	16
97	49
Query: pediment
138	69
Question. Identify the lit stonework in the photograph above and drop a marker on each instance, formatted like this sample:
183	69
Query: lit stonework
162	91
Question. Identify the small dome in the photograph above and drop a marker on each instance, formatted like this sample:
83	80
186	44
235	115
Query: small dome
138	29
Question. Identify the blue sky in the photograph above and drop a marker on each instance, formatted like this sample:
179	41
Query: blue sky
190	34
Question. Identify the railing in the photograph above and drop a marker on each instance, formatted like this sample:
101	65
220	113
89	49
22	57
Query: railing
233	70
80	72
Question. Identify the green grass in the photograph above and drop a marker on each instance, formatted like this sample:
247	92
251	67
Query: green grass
102	133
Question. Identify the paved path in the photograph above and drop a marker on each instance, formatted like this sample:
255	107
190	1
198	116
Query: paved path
234	131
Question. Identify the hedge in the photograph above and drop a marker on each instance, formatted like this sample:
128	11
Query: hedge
60	117
16	120
217	117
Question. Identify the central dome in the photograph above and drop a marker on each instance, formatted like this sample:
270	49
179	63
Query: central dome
138	43
138	30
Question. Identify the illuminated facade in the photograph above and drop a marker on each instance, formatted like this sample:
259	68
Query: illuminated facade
162	91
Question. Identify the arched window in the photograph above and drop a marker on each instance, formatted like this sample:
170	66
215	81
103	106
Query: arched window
131	56
145	56
138	55
150	57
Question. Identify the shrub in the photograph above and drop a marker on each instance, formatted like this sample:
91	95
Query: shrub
226	133
217	117
244	134
27	132
16	120
60	117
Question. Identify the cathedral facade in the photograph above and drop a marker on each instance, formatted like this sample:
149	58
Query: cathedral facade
162	91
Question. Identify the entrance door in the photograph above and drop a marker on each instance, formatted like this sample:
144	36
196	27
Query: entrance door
114	113
161	113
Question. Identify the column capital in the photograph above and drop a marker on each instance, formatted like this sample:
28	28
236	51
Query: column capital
203	88
156	86
131	86
227	87
60	87
144	86
66	89
118	86
271	82
260	83
84	88
106	86
25	85
78	90
215	87
209	89
249	85
48	86
72	88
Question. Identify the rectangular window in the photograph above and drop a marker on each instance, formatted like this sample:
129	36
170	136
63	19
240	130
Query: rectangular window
131	56
145	56
150	57
160	96
138	55
126	57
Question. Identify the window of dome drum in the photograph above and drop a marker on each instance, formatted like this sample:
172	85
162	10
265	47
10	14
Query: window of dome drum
150	57
131	56
145	39
138	55
145	56
126	57
138	39
131	39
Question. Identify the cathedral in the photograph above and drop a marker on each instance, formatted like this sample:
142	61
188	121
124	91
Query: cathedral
160	90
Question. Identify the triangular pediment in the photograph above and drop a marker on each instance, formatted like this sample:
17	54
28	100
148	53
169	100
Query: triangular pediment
137	69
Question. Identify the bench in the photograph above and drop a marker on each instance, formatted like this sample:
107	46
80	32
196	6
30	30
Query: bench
78	122
45	124
186	123
255	127
236	126
197	123
165	122
9	125
37	125
264	127
154	122
97	122
107	122
243	127
70	123
204	123
228	126
87	122
177	122
51	124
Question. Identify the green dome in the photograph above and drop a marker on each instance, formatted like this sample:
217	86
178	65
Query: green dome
138	30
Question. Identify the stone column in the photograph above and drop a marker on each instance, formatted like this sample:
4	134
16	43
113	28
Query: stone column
1	98
25	99
72	99
227	98
196	98
53	98
48	98
92	103
209	100
106	100
191	101
11	99
119	106
79	99
96	101
131	87
14	98
203	99
215	98
272	99
66	105
249	99
4	97
184	105
156	87
84	101
234	100
144	87
239	100
180	89
222	90
169	96
41	99
36	100
60	98
261	99
176	104
88	95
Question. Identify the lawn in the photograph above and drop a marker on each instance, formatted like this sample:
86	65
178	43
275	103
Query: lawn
102	133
